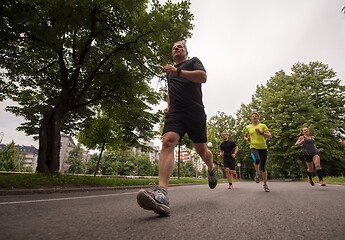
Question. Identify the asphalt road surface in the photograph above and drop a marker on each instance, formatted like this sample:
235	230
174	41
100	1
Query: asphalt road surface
292	210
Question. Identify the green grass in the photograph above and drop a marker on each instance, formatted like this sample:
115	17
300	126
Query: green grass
334	179
37	181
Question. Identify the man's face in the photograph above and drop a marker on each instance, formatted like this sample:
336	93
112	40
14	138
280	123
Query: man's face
255	117
224	136
179	51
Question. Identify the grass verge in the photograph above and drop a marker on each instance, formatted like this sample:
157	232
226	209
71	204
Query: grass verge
37	181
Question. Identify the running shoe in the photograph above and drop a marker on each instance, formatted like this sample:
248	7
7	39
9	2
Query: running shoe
212	178
257	178
155	199
322	183
235	176
266	188
311	181
230	186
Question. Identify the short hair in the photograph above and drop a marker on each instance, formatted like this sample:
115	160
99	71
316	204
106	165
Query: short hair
255	113
225	132
183	43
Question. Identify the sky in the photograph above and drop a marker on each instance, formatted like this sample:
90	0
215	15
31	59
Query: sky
242	44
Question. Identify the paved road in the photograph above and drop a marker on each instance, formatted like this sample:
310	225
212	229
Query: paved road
292	210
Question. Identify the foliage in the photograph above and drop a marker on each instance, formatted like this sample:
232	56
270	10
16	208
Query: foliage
9	158
65	59
76	160
122	163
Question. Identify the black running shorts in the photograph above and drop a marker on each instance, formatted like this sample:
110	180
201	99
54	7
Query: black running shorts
191	122
309	158
229	163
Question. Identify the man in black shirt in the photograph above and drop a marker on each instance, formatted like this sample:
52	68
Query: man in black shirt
227	150
184	114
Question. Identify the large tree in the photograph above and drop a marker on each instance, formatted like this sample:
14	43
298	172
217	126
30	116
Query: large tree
64	57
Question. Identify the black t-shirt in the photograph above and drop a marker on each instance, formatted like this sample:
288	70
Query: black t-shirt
183	93
228	147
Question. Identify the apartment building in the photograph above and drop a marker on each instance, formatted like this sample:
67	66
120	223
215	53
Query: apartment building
29	154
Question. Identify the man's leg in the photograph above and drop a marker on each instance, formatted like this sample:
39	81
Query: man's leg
207	157
166	158
205	154
264	176
156	199
228	176
234	174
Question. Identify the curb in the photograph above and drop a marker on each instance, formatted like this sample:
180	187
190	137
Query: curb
73	190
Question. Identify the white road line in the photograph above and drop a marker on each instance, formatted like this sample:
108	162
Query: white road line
62	199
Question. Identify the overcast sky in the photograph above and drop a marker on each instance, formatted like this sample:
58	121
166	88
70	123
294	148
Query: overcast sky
243	43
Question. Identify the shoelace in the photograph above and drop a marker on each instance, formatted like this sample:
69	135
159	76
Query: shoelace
155	187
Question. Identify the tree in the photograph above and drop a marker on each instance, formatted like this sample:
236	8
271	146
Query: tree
9	158
65	58
75	160
143	165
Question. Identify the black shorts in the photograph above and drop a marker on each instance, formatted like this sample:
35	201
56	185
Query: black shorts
229	163
260	157
309	158
191	122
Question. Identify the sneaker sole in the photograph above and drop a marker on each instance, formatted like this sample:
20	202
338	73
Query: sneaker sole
148	203
312	183
212	185
267	190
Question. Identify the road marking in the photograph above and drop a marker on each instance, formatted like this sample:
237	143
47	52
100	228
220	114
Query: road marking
62	199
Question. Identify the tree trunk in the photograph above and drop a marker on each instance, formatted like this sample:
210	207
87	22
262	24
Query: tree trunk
99	159
49	143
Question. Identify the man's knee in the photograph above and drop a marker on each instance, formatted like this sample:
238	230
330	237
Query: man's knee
170	140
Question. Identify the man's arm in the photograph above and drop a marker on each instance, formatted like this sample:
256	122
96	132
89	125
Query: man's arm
197	76
221	153
166	110
247	137
235	152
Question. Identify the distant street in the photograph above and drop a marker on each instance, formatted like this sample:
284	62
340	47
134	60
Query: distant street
292	210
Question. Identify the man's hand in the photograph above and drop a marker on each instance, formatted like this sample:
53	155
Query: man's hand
170	69
258	130
165	111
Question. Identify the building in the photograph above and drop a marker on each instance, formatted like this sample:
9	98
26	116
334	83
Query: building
29	154
66	145
153	154
187	155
